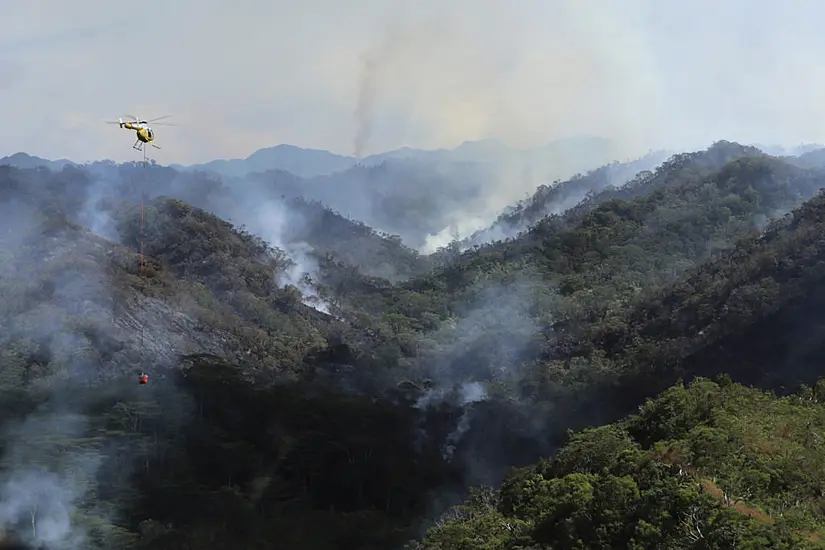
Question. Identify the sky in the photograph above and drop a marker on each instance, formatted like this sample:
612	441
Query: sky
367	76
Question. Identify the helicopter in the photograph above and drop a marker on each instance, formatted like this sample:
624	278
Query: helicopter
142	129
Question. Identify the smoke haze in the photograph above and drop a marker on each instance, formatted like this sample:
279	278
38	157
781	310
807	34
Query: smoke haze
376	75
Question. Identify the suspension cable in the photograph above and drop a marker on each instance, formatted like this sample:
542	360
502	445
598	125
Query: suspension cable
142	208
142	233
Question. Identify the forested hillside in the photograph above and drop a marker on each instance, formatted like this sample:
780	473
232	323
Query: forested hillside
316	384
712	465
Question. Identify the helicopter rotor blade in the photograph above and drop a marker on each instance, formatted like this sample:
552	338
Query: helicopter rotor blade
160	118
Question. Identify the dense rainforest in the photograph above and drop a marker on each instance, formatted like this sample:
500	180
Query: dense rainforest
638	369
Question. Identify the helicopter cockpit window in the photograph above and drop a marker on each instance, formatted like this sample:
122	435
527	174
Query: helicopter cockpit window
150	134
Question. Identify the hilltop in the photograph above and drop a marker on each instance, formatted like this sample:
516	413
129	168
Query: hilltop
316	383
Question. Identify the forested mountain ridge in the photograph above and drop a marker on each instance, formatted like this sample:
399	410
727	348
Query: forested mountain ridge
690	206
583	192
562	195
668	172
91	195
268	422
752	311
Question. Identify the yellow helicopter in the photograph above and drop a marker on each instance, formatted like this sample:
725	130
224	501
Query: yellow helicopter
142	129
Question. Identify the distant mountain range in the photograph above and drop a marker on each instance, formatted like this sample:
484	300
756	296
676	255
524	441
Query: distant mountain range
309	163
24	160
554	160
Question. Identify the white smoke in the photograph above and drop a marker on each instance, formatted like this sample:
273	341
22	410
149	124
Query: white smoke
271	222
45	478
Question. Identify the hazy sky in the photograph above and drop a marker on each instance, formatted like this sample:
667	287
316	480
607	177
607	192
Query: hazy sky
373	75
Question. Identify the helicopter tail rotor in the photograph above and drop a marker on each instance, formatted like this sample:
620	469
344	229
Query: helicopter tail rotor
120	122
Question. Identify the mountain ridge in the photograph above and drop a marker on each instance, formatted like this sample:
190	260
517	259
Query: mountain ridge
299	160
377	403
307	162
